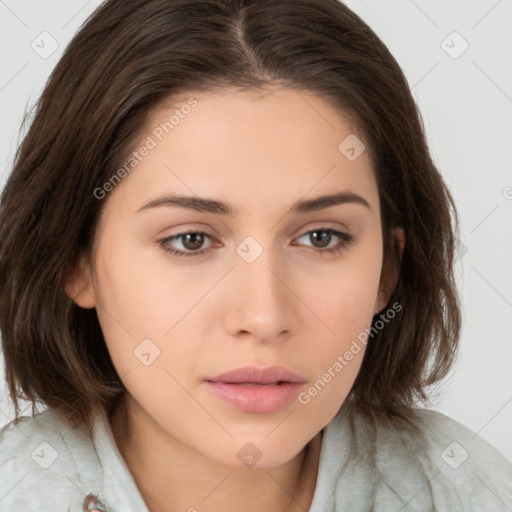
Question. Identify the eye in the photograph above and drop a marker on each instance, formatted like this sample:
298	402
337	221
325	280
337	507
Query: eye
190	240
324	236
193	242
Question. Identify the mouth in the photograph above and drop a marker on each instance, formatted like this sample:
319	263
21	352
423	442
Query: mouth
259	383
257	390
272	375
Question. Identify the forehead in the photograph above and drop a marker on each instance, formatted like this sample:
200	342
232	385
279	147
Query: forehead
268	146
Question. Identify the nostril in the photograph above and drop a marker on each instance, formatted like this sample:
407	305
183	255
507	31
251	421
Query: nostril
93	504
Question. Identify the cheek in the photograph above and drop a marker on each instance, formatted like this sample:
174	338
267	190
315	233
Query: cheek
348	315
144	303
344	297
137	289
345	307
337	357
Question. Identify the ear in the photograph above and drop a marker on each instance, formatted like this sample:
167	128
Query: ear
389	274
78	285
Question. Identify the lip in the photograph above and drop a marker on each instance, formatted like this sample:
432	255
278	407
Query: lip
257	390
268	375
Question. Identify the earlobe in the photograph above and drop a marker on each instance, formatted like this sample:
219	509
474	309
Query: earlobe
78	286
389	274
380	302
399	234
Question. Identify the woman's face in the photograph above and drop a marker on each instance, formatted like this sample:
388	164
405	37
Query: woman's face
251	287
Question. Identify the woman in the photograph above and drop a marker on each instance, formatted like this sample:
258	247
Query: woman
227	269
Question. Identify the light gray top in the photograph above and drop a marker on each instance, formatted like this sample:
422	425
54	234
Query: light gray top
47	467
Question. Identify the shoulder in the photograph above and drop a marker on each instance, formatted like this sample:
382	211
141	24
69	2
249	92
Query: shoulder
455	444
441	466
468	465
40	461
463	443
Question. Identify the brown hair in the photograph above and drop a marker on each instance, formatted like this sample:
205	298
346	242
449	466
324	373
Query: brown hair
124	61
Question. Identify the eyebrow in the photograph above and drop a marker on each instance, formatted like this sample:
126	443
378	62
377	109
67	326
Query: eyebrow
202	204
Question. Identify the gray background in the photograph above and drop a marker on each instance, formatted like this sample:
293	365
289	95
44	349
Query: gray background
465	98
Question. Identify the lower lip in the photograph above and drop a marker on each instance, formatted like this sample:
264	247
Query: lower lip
256	398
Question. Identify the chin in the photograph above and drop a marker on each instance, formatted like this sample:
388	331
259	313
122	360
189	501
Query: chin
258	452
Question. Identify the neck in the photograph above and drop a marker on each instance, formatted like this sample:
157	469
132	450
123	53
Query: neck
172	476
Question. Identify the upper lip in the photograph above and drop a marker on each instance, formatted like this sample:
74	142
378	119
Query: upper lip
268	375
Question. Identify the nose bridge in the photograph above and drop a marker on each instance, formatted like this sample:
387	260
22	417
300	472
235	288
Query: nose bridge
257	268
262	303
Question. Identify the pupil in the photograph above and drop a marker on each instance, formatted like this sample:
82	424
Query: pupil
325	237
195	238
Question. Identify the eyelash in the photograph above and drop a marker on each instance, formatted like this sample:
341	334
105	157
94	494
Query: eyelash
346	240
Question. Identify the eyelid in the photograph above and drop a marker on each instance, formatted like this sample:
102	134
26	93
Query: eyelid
180	234
345	239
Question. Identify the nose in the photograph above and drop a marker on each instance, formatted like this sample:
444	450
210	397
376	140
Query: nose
262	303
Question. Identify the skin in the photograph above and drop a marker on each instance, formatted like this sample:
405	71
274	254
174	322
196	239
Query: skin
261	152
